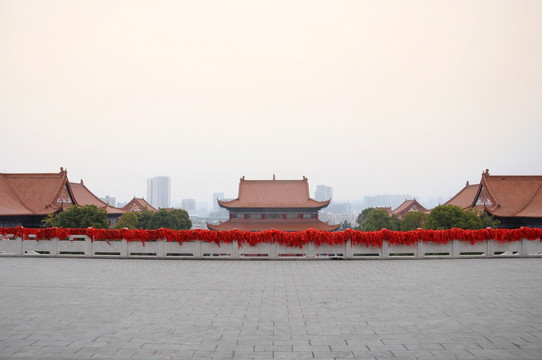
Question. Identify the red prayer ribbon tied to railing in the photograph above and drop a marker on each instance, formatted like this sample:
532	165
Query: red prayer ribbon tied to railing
290	239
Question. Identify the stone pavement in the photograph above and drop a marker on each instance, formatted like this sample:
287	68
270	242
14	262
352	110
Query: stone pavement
67	308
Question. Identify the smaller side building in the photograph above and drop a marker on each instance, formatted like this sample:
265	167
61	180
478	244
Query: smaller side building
137	205
408	206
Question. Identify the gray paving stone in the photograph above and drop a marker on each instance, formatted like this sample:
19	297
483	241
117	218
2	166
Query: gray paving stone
65	308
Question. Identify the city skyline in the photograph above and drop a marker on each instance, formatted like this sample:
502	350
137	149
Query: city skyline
366	97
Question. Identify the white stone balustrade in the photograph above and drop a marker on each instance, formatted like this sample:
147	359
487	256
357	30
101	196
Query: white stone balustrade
83	246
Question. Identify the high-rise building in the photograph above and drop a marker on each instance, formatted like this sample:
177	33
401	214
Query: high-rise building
159	192
217	196
323	193
188	204
109	200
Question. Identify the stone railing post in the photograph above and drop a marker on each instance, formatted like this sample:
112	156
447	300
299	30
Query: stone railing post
161	249
197	252
88	246
123	247
235	250
54	246
349	251
524	247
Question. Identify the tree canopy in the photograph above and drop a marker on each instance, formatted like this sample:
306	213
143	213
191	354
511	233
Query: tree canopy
175	219
413	220
127	220
372	219
143	218
450	216
81	217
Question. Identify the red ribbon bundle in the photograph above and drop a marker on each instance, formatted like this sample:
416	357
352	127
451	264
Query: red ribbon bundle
290	239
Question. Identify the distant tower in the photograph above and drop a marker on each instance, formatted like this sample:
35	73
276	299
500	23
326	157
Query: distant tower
323	193
159	192
217	196
188	204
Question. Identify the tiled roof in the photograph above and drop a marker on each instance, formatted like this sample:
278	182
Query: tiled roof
511	195
138	204
83	196
409	205
465	198
32	194
273	194
283	225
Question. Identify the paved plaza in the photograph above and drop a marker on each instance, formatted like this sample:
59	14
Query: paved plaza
69	308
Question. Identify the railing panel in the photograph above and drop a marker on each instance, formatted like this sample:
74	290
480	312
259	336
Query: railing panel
109	248
286	252
225	250
398	250
262	250
11	245
494	248
330	251
148	248
431	249
465	248
40	247
185	250
74	245
531	248
362	251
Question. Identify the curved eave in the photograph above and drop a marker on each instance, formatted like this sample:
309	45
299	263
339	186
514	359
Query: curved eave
237	204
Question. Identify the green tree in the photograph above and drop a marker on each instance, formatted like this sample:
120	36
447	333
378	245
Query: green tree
143	218
379	219
127	220
413	220
362	217
49	220
175	219
82	217
488	221
449	216
345	225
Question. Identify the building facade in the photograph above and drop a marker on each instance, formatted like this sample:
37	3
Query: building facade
159	192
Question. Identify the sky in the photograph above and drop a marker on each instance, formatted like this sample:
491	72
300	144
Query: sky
368	97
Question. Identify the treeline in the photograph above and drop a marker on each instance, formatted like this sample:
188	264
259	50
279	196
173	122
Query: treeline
91	216
440	218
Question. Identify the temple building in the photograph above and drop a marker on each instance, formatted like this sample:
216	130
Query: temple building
138	204
273	204
408	206
26	199
514	200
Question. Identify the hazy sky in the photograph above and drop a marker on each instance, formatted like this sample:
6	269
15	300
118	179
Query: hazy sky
368	97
